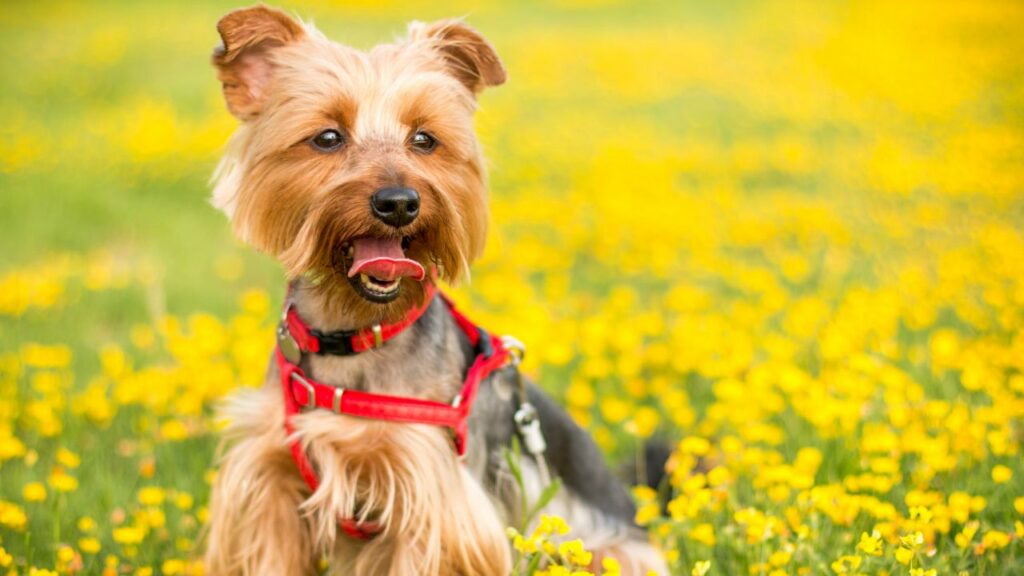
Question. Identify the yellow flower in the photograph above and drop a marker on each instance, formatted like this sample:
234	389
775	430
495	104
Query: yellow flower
12	515
718	476
61	481
1001	474
551	524
923	572
5	558
65	554
870	544
68	458
700	568
703	533
611	566
183	501
34	492
574	552
10	447
846	565
912	541
694	445
89	545
779	558
963	539
1018	505
522	544
151	496
647	513
173	430
921	513
995	540
128	535
644	422
614	409
904	555
173	566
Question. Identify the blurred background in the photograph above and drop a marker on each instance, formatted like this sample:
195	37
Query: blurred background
785	237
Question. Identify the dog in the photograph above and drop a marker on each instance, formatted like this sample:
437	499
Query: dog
380	439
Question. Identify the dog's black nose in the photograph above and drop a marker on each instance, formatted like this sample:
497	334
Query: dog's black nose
395	206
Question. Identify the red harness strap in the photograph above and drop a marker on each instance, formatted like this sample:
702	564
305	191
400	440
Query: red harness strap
302	392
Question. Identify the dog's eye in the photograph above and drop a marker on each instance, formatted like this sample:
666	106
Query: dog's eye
424	142
328	140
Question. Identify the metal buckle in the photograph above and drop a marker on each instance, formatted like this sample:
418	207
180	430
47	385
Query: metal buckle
310	391
336	404
378	336
515	347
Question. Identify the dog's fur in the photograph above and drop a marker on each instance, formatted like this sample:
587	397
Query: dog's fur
439	515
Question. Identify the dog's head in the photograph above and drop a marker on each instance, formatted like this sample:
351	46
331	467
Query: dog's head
358	168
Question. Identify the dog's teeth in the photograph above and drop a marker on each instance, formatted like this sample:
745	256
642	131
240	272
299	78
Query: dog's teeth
364	278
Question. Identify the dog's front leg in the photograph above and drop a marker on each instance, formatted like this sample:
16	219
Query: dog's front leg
255	525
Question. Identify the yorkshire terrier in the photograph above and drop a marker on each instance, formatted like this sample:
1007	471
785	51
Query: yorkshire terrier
379	442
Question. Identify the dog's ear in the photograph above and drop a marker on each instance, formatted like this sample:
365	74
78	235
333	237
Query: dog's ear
243	62
468	55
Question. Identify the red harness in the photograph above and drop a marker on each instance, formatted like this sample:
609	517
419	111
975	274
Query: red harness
302	392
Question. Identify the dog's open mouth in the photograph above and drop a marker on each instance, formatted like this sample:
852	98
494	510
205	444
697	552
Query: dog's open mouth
375	267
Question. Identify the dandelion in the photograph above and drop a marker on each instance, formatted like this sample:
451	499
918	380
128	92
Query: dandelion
703	533
151	496
1001	474
12	515
61	481
67	458
34	492
89	545
173	566
128	535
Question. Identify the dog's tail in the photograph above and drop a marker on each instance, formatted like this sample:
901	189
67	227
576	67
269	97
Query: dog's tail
647	468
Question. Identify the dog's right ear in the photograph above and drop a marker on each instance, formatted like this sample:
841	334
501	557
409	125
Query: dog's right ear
244	66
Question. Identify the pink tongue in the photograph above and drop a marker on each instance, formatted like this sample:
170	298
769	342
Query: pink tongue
383	259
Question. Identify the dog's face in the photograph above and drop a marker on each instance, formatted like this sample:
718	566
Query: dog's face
360	169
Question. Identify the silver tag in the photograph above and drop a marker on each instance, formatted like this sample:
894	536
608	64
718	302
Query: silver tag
288	344
528	424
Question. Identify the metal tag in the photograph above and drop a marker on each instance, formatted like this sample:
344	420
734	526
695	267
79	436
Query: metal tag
288	344
528	424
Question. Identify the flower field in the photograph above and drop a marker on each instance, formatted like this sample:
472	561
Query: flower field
786	238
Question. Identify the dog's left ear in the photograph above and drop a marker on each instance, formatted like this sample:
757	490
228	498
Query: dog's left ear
468	55
243	59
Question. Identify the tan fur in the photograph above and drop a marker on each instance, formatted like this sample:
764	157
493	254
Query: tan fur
254	528
436	518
